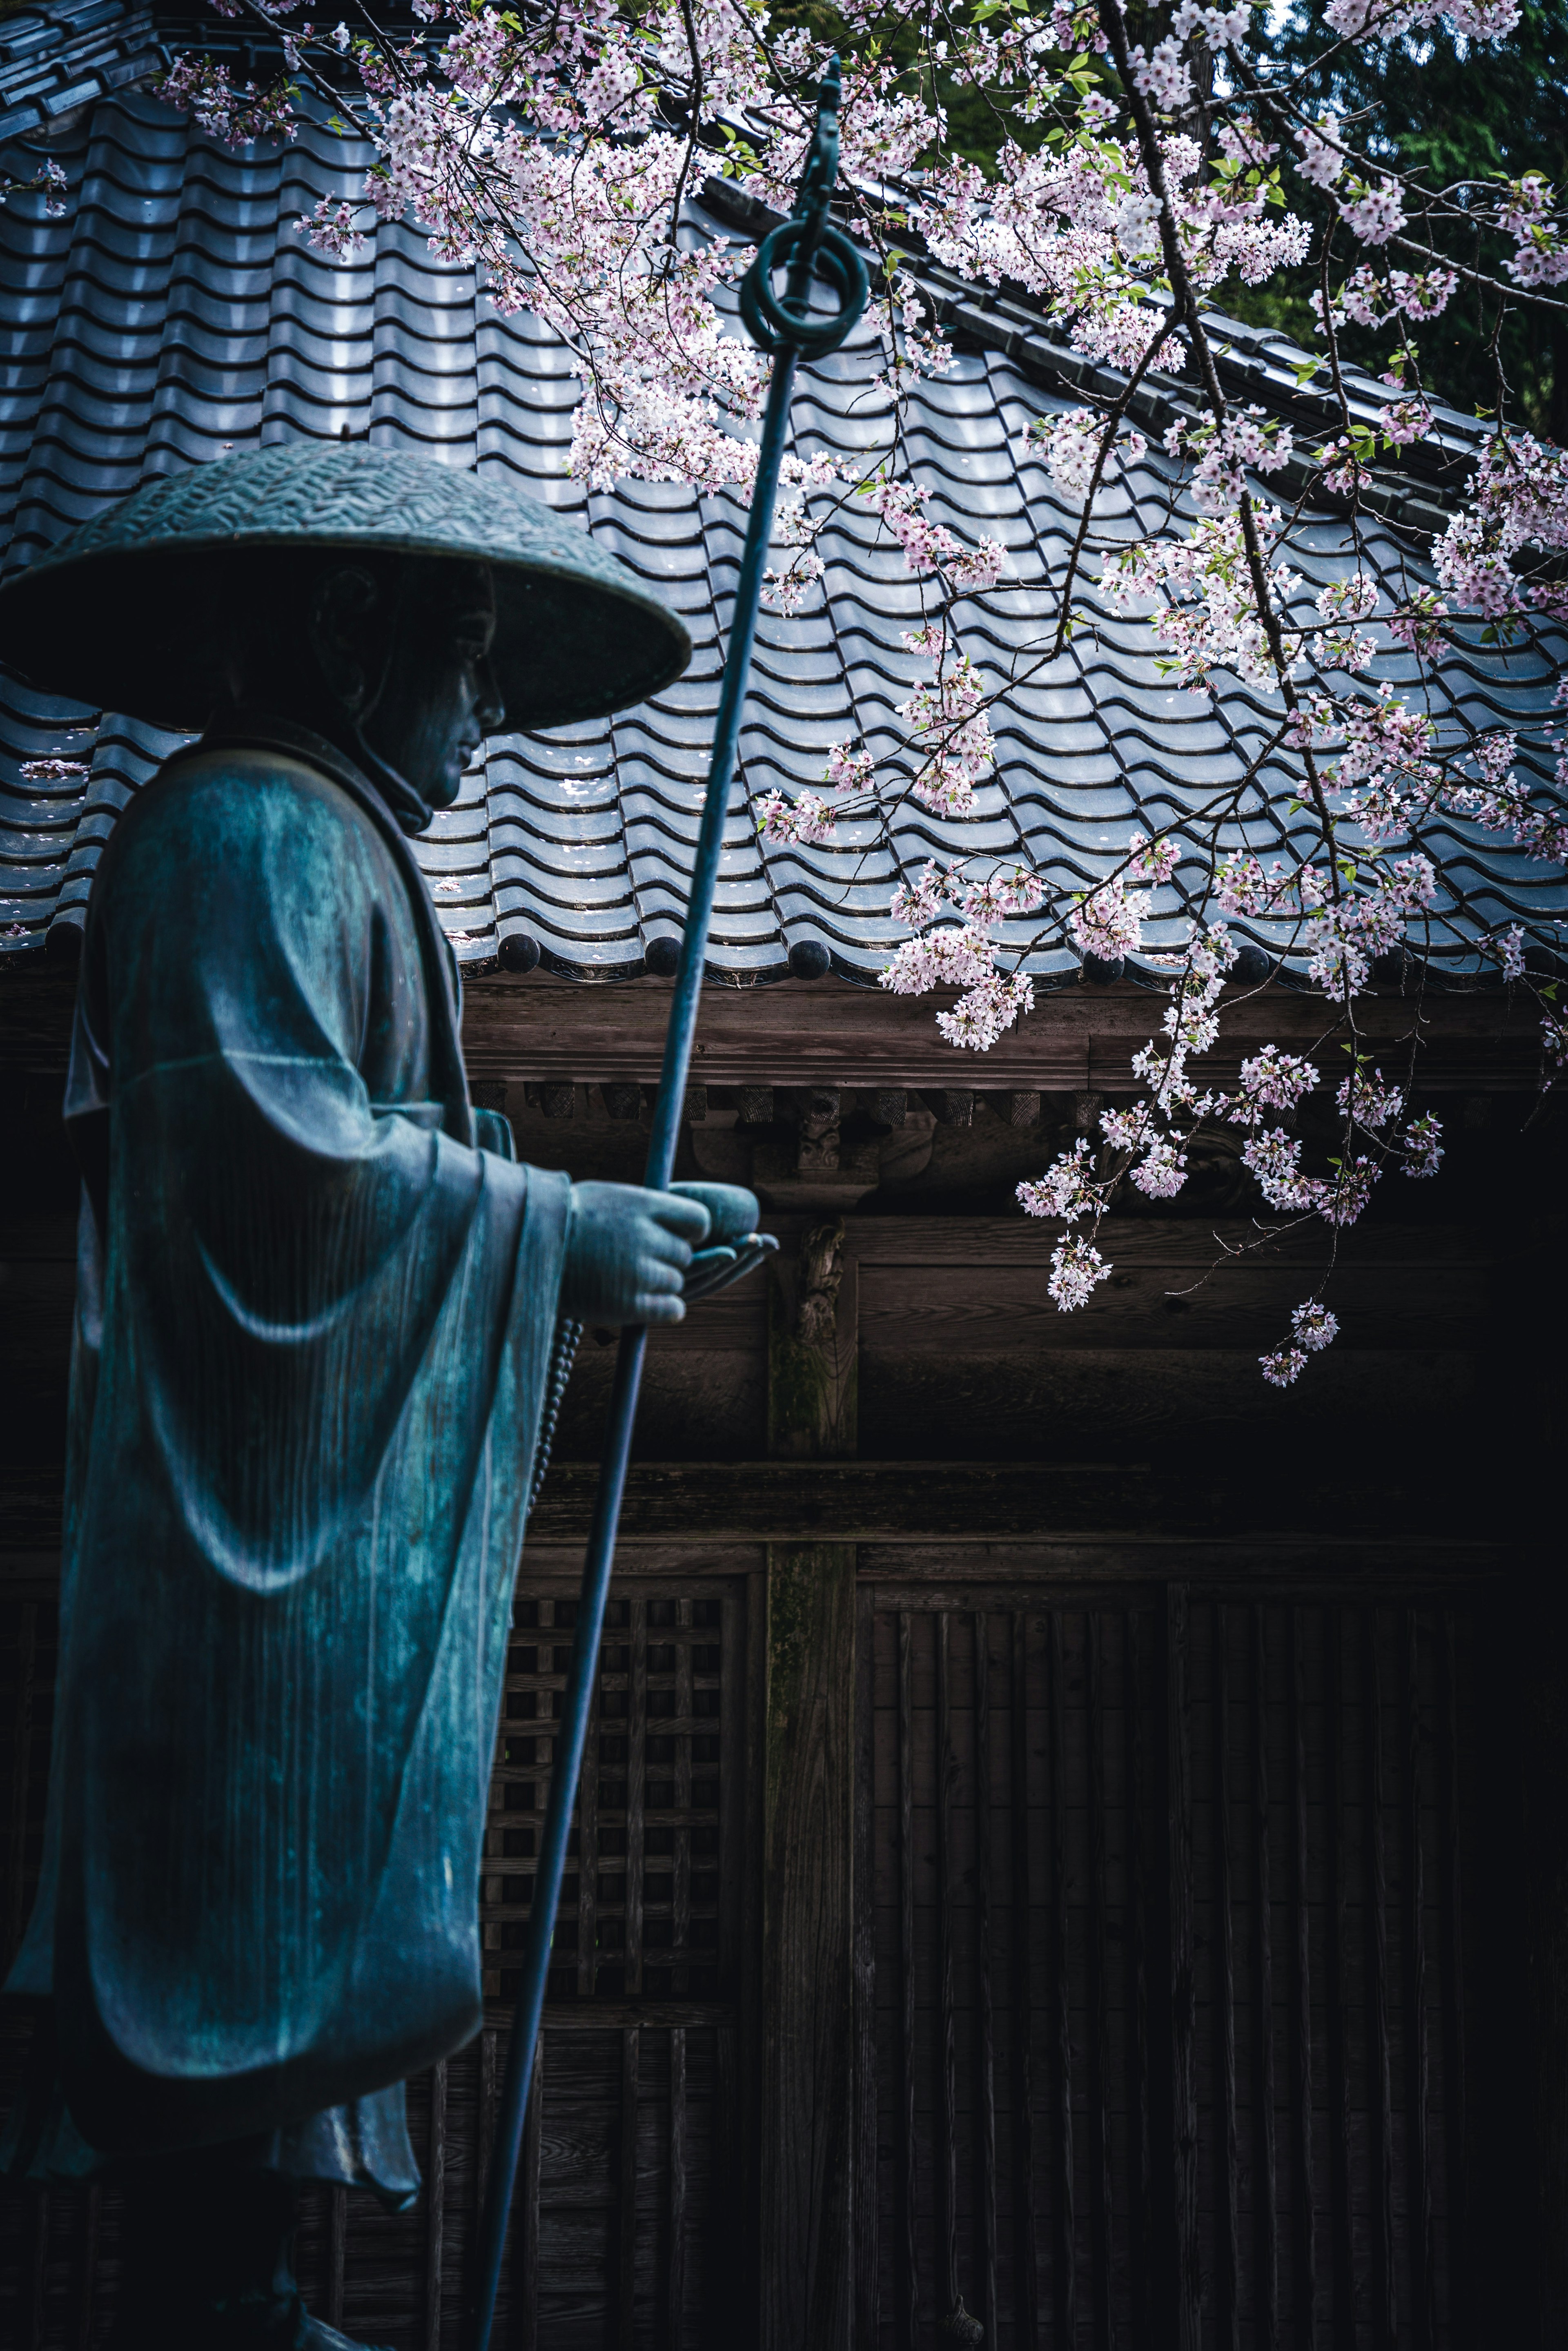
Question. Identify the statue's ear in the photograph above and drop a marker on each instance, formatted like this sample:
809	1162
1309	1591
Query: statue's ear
351	636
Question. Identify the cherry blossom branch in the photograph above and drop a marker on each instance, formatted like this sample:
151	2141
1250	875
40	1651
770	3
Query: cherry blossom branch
1113	416
1186	302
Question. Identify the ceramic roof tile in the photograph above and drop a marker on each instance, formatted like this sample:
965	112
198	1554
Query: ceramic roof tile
176	312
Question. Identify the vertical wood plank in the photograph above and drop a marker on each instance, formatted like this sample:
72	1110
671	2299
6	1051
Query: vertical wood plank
807	2282
1418	2118
636	1780
39	2271
526	2223
1380	2088
867	2296
1026	2246
87	2285
909	2269
986	2121
1338	1987
1455	2097
681	1876
626	2253
806	2118
1186	2280
1141	2159
1064	2262
729	2228
337	2253
731	1783
945	2152
1306	2205
1227	2274
813	1321
435	2206
1266	2294
484	2117
21	1770
745	2253
1104	2205
676	2303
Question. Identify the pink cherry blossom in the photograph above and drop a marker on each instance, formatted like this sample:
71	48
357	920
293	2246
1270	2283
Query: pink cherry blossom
1076	1268
1274	1080
1108	923
554	153
1365	1097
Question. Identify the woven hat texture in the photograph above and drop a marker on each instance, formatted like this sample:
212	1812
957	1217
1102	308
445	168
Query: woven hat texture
118	613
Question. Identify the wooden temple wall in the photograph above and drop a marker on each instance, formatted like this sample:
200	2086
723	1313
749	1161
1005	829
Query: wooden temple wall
1065	1827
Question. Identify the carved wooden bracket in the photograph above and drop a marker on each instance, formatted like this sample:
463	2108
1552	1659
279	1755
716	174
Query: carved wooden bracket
813	1337
821	1277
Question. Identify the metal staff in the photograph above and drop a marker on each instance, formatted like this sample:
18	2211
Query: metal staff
809	249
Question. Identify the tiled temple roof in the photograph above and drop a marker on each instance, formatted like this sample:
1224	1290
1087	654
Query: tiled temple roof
173	313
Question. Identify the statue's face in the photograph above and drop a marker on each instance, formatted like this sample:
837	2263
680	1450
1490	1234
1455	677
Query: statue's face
440	699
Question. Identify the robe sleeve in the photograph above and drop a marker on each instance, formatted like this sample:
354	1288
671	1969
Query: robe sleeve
287	1238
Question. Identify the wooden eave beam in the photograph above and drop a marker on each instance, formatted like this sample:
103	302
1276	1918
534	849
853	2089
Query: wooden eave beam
541	1029
825	1032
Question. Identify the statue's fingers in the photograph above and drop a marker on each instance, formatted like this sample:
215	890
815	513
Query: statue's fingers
661	1247
705	1266
678	1213
733	1209
753	1249
747	1258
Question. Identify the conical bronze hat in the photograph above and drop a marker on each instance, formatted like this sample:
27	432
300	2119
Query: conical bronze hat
118	614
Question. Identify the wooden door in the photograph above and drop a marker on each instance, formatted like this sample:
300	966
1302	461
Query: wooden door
1166	1916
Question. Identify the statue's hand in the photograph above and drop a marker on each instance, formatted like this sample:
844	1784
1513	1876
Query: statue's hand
735	1246
628	1251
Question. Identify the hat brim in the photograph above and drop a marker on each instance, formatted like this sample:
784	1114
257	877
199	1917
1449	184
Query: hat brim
119	616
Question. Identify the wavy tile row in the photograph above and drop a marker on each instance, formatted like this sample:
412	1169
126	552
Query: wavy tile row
173	313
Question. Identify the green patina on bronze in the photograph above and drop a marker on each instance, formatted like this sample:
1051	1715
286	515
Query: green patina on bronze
316	1301
119	614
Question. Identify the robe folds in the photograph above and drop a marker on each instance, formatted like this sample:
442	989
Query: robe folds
313	1328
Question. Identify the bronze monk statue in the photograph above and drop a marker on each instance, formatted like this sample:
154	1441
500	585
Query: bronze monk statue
317	1297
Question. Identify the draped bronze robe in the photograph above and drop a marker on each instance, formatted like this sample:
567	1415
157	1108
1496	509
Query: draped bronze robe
313	1328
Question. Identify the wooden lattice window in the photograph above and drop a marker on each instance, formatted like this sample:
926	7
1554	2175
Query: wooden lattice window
624	2217
649	1908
